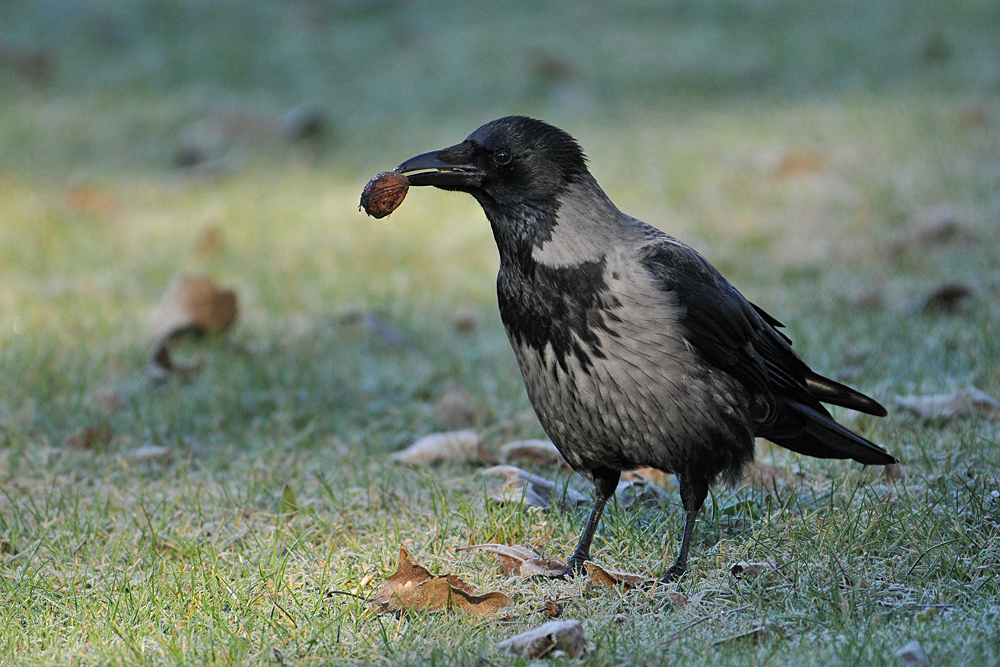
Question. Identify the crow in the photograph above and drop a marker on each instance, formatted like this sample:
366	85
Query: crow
634	350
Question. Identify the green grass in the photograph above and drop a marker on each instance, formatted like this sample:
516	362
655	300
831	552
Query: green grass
687	114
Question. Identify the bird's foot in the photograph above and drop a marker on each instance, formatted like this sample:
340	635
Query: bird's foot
674	573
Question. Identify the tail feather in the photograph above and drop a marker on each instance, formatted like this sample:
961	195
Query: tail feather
822	437
834	393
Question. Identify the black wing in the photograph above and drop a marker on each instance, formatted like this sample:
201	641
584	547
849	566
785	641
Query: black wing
737	337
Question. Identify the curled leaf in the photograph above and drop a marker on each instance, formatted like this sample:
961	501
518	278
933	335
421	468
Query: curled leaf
533	490
552	636
414	588
527	452
459	446
639	493
967	402
521	561
601	576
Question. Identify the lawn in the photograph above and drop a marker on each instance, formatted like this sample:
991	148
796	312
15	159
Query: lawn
245	512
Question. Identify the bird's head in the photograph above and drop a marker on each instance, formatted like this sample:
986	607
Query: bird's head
513	160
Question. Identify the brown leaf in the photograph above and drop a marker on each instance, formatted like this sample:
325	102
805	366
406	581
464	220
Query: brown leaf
551	636
933	226
603	577
970	402
456	408
639	494
747	570
521	561
89	198
193	303
527	452
948	298
533	490
459	446
797	164
413	588
551	607
89	437
664	480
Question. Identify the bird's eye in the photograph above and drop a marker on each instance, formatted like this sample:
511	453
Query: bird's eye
502	157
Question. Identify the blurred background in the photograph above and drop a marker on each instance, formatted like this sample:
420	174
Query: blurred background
829	157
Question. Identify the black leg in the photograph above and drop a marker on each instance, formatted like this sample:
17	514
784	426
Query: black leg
605	483
693	496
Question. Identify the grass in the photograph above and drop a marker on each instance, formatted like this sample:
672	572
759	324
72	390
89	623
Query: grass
790	143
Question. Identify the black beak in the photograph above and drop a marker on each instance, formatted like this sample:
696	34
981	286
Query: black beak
443	169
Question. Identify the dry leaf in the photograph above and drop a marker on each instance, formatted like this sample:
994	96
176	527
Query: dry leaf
912	654
149	453
948	298
193	303
796	164
664	480
552	636
456	408
521	561
461	446
747	570
527	452
551	607
892	473
533	490
89	437
966	402
933	226
600	576
639	493
413	588
89	198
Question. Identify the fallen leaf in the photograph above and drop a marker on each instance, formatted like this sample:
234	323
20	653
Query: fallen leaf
933	226
639	493
970	402
600	576
89	198
892	473
209	242
552	636
551	607
150	453
948	298
912	654
533	490
456	408
797	164
193	303
459	446
413	588
527	452
89	437
745	570
664	480
521	561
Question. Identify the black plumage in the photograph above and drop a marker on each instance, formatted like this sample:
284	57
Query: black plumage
635	351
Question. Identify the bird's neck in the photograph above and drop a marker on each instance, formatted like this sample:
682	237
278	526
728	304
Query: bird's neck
574	226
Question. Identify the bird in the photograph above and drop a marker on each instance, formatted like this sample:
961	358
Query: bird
635	351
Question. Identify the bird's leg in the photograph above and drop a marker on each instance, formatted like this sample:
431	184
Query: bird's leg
693	496
605	483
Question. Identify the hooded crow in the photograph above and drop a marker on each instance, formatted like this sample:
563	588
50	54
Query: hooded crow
634	350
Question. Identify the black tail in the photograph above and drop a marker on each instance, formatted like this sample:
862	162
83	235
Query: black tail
820	436
834	393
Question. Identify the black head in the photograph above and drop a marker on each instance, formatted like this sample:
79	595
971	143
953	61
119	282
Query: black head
511	160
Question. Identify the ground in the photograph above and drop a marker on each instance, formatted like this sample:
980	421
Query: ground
798	148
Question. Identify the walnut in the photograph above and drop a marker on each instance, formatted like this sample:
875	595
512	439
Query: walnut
384	193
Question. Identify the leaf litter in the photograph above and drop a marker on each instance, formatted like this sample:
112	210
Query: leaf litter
456	446
520	560
532	490
414	588
968	402
547	639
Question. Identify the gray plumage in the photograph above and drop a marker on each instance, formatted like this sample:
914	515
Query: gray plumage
634	350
